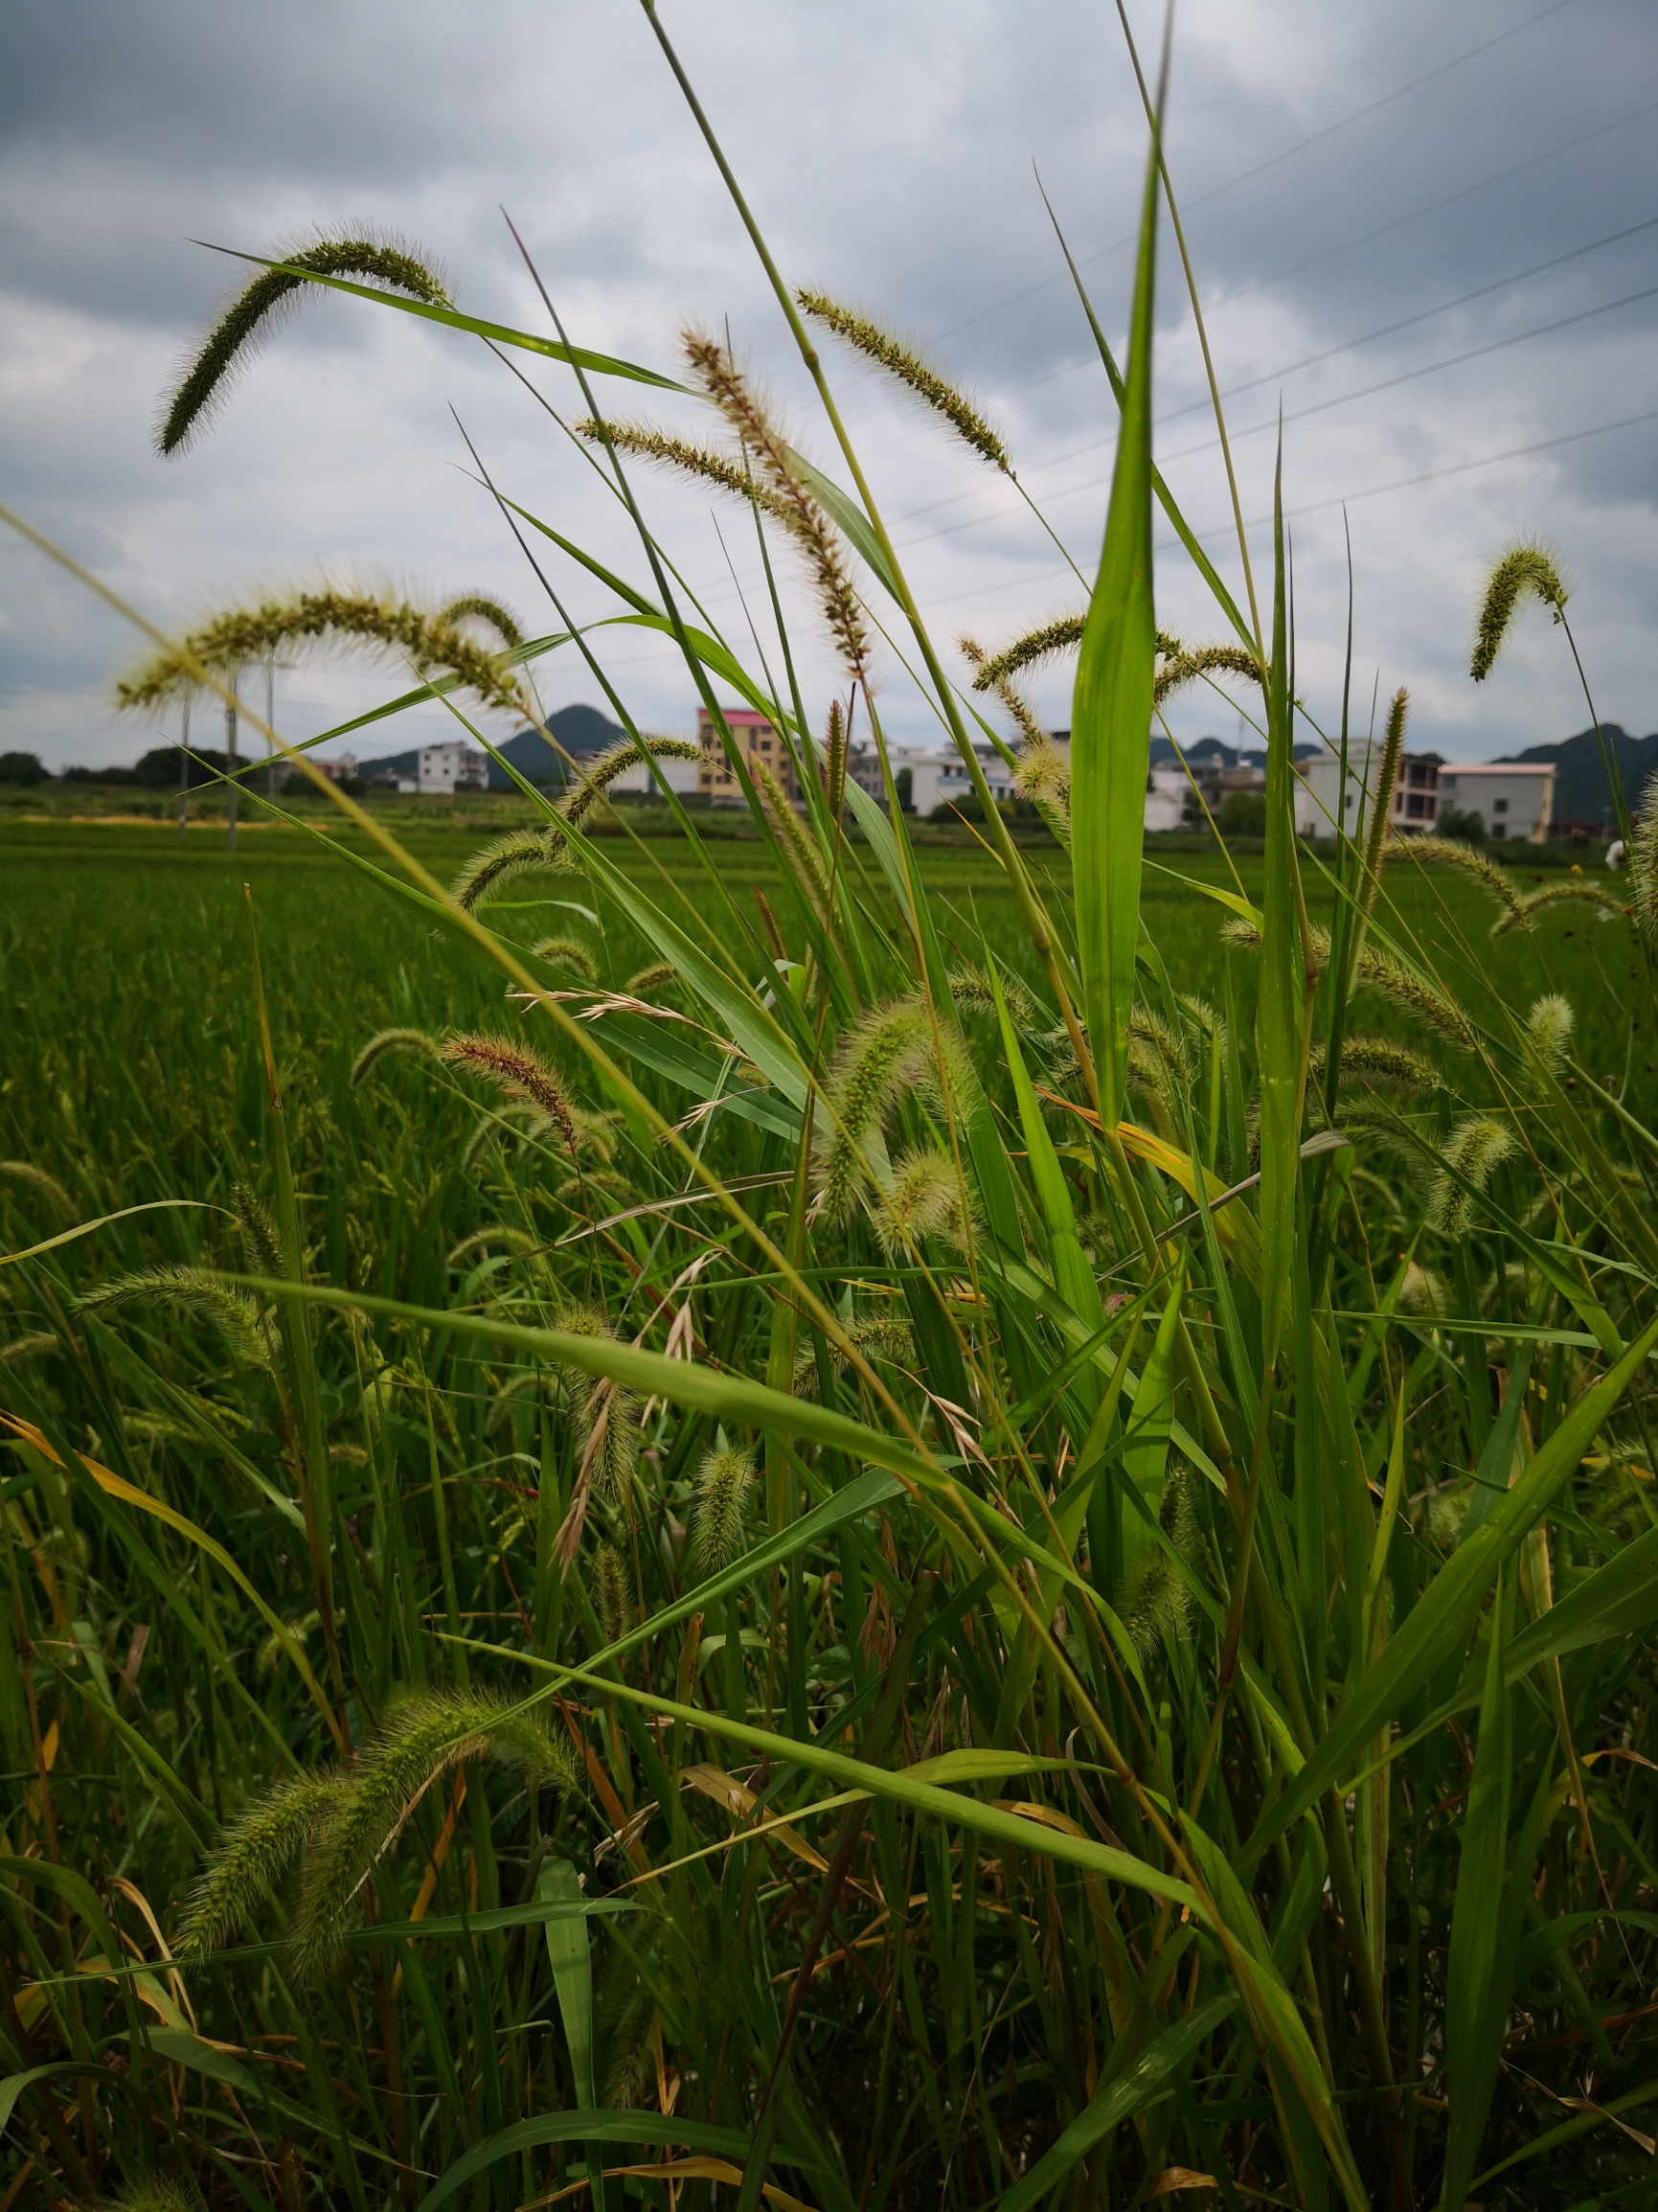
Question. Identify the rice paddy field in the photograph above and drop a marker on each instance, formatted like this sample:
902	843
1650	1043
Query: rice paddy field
512	2016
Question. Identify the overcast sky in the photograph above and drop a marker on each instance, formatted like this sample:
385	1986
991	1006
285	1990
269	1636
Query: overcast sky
1429	233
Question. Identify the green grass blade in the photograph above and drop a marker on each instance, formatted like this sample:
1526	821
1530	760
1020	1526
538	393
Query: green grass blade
1443	1616
1476	1995
1119	2099
1112	713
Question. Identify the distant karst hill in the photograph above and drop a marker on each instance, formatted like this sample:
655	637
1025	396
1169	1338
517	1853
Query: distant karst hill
1582	793
579	730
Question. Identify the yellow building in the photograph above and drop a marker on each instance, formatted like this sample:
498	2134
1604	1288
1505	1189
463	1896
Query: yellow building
757	739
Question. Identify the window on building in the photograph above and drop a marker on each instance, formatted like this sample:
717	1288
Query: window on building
1499	805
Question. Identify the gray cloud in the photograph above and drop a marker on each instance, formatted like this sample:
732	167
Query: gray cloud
889	153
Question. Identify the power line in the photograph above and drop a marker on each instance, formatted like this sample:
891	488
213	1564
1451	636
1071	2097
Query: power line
1422	315
1344	499
1314	407
1434	206
1272	161
1330	354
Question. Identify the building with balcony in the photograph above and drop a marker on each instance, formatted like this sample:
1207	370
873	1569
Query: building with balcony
757	738
1319	806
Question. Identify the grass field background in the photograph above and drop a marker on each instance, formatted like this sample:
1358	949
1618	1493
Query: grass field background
131	1064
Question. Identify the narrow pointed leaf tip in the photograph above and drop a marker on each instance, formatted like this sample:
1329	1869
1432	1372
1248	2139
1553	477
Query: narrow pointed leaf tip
1111	711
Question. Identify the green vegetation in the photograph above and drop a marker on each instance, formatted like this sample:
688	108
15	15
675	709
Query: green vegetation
876	1524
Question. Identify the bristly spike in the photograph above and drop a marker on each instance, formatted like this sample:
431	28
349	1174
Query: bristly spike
720	1503
1185	665
568	953
260	1239
518	1074
1453	853
1644	867
386	1041
1548	1030
511	855
478	607
420	1741
196	1289
883	1054
1062	634
383	263
1568	891
901	360
1475	1147
601	771
327	619
883	1337
724	384
923	1199
1527	566
663	450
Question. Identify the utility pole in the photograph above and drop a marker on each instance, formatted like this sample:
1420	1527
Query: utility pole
270	774
230	763
184	772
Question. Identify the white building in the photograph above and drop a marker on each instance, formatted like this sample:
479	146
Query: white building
1513	798
1167	791
1416	795
447	768
642	781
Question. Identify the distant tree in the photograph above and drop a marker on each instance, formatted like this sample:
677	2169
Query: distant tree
1461	824
158	769
904	784
22	768
1243	814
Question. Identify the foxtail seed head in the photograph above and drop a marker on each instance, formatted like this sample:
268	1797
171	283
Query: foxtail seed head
568	953
513	855
901	360
883	1054
883	1337
420	1741
611	1597
1451	853
601	771
720	379
386	1041
1567	891
516	1073
253	1853
327	619
1063	634
924	1199
383	263
719	1502
1526	566
260	1239
728	472
1474	1150
477	607
1548	1030
1185	666
1378	1063
1644	867
192	1287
